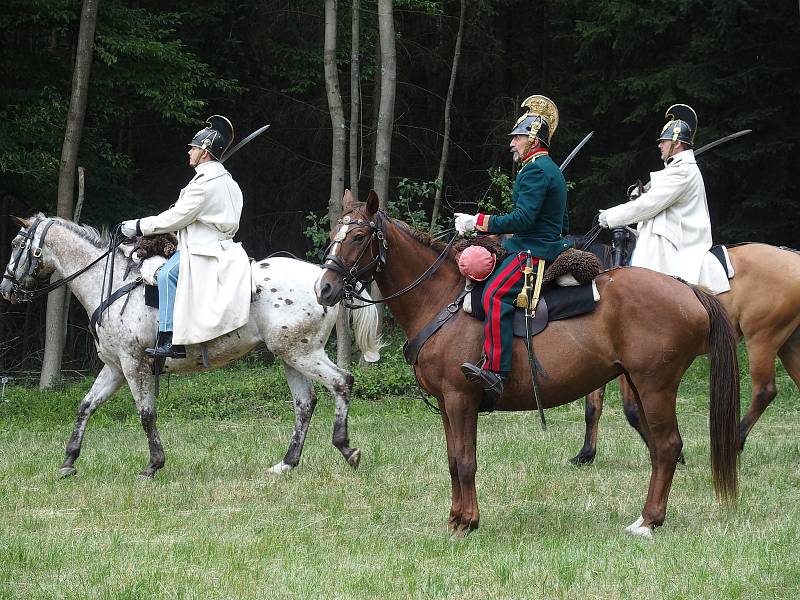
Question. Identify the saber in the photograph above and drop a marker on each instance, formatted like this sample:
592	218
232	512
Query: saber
722	140
527	299
238	146
698	152
575	151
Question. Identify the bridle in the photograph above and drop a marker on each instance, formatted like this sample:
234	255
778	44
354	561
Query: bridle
353	275
33	249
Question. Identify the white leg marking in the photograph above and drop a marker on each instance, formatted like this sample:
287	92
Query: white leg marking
636	529
279	469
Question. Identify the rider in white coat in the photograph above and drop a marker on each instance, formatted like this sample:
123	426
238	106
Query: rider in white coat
674	224
204	289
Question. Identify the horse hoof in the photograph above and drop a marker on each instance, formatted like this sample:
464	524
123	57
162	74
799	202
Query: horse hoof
643	532
581	459
637	529
355	458
280	469
144	477
681	459
65	472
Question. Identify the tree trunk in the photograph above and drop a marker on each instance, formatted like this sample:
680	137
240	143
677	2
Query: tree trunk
383	135
437	201
344	345
388	74
355	98
54	340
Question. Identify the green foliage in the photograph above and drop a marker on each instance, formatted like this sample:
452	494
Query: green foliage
410	201
141	73
318	233
501	188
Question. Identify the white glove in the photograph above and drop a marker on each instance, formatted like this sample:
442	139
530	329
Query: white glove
128	228
465	223
603	219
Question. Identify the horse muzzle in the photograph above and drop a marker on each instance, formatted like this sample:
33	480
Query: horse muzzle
328	289
7	290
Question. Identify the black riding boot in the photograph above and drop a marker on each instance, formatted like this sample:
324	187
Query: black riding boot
491	382
164	347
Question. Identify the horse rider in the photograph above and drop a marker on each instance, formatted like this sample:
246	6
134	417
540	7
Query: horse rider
537	224
674	224
204	288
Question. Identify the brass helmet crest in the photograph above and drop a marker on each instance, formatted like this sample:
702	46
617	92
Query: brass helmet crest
539	121
216	137
682	125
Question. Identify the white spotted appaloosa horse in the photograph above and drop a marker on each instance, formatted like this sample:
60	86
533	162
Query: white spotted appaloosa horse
284	316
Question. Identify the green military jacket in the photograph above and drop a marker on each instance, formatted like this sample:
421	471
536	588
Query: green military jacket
539	220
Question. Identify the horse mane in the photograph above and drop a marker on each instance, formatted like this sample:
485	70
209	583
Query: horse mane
99	240
425	238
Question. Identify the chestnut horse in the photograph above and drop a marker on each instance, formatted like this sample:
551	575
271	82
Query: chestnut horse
763	305
646	326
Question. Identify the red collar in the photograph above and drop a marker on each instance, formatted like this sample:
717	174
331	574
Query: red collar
532	155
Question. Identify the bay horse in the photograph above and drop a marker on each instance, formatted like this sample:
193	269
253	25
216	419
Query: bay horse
646	326
284	316
763	306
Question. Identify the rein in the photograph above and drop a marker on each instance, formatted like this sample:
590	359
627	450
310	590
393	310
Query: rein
351	276
34	251
34	254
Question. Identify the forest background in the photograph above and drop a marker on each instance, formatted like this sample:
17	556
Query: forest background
611	66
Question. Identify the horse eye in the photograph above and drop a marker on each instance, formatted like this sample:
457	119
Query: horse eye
359	237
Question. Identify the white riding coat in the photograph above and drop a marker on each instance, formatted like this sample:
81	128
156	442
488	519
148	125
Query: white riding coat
674	225
213	294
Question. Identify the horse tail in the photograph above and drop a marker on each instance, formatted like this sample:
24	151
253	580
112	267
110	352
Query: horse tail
365	325
724	404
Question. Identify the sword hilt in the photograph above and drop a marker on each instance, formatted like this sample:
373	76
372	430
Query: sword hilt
527	287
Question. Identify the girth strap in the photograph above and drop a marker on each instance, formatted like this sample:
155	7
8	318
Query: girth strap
125	289
411	348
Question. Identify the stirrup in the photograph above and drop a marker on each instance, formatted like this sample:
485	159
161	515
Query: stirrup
491	382
165	348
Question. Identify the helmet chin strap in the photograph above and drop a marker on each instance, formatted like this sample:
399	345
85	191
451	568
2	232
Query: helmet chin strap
676	131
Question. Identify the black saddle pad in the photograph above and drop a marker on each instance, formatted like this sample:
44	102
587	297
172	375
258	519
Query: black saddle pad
719	252
559	303
151	295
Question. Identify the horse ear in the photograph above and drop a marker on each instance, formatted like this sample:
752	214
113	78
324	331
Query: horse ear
21	222
372	202
641	187
347	199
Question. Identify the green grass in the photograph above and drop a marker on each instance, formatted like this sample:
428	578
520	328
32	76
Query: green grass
212	525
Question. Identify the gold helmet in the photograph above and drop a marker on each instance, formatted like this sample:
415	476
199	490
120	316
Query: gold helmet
539	121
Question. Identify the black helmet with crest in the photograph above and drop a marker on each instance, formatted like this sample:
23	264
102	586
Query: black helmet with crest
682	124
216	137
539	121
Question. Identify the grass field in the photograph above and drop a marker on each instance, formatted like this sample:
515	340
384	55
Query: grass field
213	525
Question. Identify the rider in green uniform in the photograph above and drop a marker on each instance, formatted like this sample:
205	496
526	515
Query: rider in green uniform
537	224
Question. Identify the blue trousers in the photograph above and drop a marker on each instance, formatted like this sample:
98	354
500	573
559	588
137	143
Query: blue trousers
167	286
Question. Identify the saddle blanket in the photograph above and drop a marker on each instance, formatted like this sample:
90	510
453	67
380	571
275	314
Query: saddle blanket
721	254
555	303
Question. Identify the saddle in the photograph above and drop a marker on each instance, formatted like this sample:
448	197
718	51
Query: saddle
568	290
150	253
